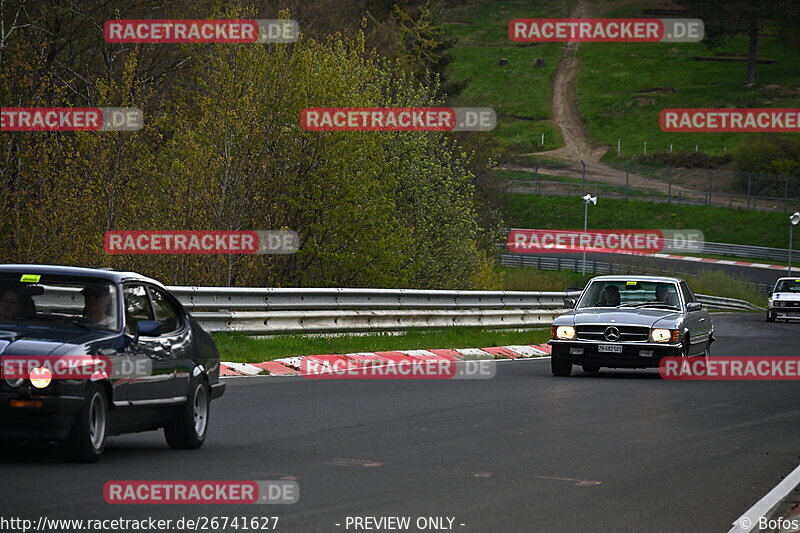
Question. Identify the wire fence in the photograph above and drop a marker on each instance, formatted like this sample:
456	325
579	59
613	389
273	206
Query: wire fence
694	186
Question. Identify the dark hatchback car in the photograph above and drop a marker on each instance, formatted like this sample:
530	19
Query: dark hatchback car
630	322
86	353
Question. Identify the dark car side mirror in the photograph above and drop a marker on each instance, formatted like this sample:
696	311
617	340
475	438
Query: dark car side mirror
694	306
148	328
569	303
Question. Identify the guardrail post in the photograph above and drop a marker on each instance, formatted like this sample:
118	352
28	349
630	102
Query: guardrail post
583	186
748	189
786	194
669	188
626	183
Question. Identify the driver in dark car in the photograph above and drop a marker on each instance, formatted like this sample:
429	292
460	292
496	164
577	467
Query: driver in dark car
9	304
97	306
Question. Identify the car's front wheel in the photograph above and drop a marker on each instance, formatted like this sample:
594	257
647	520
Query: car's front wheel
87	439
770	315
559	366
189	428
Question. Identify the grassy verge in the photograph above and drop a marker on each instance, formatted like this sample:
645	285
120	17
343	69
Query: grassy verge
710	283
532	279
245	349
717	283
719	224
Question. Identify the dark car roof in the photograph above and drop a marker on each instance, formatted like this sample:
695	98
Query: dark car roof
114	276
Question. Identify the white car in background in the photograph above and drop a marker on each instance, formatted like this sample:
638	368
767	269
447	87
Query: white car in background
784	300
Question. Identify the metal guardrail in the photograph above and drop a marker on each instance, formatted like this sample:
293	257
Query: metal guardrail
238	298
745	250
730	304
273	311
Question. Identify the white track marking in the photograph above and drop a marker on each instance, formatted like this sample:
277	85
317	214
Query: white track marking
749	519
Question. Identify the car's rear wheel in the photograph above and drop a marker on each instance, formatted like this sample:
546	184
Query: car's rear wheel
87	439
770	315
188	430
591	368
559	366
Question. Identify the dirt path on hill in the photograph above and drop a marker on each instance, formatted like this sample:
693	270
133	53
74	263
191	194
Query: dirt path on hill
577	143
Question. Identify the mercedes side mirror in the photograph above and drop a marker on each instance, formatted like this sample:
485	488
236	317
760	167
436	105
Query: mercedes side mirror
694	306
569	303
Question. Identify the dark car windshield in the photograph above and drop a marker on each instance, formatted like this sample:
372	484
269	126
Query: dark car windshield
632	294
33	299
788	285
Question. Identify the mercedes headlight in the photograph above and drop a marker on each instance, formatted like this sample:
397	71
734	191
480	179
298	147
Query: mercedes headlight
664	335
565	333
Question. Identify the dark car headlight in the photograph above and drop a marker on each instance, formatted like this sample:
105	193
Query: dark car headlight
41	377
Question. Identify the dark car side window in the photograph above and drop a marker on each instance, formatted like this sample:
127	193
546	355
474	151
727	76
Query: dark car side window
166	311
688	295
137	306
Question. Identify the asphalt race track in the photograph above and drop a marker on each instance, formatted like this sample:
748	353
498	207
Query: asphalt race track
525	451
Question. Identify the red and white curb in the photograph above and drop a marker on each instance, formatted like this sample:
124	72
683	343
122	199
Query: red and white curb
719	261
291	366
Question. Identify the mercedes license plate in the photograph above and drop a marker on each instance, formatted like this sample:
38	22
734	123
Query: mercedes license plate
609	348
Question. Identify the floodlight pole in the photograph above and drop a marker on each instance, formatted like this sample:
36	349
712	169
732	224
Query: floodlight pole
791	228
585	227
793	221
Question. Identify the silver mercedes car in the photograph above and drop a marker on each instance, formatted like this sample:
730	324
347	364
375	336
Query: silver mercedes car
630	322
